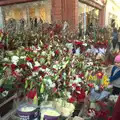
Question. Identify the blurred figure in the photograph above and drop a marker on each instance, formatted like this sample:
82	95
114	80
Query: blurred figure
119	38
115	38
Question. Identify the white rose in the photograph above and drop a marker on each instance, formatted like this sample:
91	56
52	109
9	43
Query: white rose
15	59
96	88
34	74
6	59
30	65
22	57
37	63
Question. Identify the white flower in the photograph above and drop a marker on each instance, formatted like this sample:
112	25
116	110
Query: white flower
30	65
96	88
43	53
22	57
113	98
85	44
6	59
91	113
5	93
69	94
35	51
38	48
53	54
34	74
15	59
37	63
52	85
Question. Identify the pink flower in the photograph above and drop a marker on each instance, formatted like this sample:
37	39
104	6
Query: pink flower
99	75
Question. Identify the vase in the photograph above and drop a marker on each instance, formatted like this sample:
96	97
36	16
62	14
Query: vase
30	112
49	114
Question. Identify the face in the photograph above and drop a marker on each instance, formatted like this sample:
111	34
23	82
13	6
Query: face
117	64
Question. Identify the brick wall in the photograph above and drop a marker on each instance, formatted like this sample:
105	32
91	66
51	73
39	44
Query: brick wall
65	10
56	10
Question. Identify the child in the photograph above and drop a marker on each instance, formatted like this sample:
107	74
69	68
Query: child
115	76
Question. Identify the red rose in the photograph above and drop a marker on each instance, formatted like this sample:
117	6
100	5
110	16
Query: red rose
31	94
57	52
13	66
35	68
78	88
29	59
44	66
23	66
1	45
78	43
1	90
45	46
74	85
91	85
71	100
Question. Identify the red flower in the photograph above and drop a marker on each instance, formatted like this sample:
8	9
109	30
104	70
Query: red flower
29	59
28	49
74	85
51	34
78	88
23	66
81	96
110	118
31	94
46	46
57	52
13	66
91	85
99	75
54	90
1	90
35	68
1	45
78	43
81	75
44	66
71	100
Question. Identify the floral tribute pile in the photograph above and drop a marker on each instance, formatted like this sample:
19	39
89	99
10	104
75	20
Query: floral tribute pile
55	68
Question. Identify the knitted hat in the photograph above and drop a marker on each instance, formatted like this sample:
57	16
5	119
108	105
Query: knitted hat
117	59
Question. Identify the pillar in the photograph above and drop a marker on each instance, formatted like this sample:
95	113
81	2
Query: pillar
70	12
56	10
102	17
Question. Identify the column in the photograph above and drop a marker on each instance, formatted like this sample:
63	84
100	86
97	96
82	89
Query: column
70	12
56	10
102	14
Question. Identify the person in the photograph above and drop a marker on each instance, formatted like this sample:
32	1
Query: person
116	110
115	38
119	38
115	76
